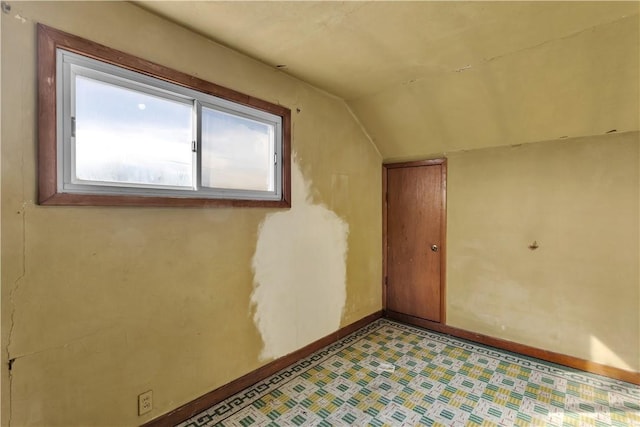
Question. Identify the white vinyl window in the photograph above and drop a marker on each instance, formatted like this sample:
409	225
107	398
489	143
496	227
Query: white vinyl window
121	132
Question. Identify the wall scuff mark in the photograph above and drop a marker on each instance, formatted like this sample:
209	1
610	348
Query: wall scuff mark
299	273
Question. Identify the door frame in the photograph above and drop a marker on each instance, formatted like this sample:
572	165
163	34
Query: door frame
443	229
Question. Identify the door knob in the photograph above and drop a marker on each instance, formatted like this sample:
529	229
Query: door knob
434	248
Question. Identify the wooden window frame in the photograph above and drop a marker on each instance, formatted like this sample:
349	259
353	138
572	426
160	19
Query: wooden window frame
49	40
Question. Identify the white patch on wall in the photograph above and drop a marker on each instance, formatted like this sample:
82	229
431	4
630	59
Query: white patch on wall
299	273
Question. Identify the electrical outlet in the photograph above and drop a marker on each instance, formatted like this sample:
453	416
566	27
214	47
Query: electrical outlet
145	402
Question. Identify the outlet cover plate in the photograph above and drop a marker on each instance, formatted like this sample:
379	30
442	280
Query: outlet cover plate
145	402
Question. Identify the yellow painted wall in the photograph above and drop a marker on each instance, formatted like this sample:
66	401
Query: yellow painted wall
579	292
99	303
566	80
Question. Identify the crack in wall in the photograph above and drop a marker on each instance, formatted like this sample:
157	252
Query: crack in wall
436	71
26	124
14	289
566	37
65	345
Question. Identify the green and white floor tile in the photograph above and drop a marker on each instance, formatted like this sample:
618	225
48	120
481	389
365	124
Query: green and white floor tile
390	374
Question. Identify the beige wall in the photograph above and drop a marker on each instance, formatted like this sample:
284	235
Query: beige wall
101	304
579	292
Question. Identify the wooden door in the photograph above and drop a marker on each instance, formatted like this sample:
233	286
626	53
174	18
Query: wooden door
415	224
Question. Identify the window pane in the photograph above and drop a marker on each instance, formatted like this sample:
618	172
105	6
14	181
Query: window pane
127	136
237	153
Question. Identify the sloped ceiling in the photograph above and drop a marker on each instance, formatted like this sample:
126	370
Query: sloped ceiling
426	78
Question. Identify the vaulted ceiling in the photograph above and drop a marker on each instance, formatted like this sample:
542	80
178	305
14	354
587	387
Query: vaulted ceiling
428	78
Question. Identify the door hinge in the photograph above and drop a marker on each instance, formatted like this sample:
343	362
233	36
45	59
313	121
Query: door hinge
386	281
193	146
73	127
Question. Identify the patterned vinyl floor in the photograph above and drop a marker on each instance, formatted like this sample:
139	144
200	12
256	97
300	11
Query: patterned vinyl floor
390	374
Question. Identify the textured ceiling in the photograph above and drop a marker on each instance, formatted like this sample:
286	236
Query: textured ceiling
430	77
